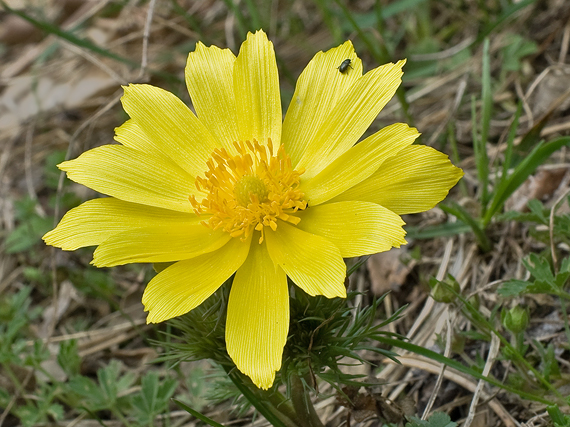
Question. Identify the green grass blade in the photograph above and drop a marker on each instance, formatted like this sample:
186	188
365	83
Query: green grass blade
480	141
193	24
197	414
254	15
330	21
504	16
530	139
463	215
442	230
486	95
416	349
507	187
241	23
50	28
395	7
510	144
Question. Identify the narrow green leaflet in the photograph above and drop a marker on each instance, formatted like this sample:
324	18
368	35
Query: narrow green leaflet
197	414
545	281
153	398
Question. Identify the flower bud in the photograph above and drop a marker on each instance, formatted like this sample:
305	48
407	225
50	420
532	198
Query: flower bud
516	319
440	290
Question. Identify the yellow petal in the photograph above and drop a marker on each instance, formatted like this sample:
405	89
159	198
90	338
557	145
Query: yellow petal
165	243
170	125
358	163
96	220
210	82
350	117
356	228
132	176
319	87
185	285
414	180
258	317
256	89
131	135
312	262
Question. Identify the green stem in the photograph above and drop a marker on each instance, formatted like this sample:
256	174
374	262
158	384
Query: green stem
283	405
481	322
115	411
303	405
279	414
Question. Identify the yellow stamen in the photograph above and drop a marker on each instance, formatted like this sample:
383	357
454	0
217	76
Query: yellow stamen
249	191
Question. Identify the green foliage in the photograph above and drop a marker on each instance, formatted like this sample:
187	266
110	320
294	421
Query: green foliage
538	214
545	281
153	398
15	317
515	320
104	394
549	364
51	172
511	175
94	282
200	334
558	418
516	49
514	170
322	332
437	419
224	390
440	292
68	358
32	226
41	409
332	331
19	359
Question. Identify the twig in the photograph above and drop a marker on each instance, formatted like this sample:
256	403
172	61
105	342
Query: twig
493	352
458	97
564	44
94	60
447	53
84	13
146	34
440	377
427	310
415	361
28	169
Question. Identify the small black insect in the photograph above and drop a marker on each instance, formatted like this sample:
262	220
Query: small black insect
343	67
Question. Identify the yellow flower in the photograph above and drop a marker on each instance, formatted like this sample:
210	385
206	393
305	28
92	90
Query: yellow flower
235	189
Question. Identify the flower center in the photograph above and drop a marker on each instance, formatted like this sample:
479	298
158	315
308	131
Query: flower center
250	188
249	191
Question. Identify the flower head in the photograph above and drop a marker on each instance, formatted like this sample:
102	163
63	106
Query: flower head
235	189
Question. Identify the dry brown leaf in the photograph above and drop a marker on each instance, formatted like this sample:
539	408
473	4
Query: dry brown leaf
26	96
387	271
540	186
552	85
67	292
